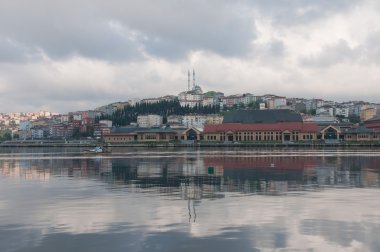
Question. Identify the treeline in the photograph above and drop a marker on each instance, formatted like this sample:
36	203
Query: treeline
164	108
5	135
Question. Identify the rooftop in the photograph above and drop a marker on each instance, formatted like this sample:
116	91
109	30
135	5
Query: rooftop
291	126
262	116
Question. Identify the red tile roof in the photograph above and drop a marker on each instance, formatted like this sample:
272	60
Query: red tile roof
291	126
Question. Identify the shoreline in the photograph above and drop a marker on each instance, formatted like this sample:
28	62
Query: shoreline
197	145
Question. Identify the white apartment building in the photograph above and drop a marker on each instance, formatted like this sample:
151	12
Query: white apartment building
25	125
174	119
77	117
197	121
107	123
38	133
214	119
147	121
325	110
274	102
64	118
150	100
341	111
210	101
238	99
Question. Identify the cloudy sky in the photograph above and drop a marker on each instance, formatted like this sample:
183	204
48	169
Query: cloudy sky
71	55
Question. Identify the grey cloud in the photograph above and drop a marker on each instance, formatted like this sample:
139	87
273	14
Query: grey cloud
277	48
300	12
167	29
272	49
45	87
366	53
129	39
333	54
174	28
222	27
13	51
61	31
372	48
165	48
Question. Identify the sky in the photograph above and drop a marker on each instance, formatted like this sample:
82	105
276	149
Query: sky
70	55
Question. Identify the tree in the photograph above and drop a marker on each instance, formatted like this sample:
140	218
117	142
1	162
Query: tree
5	135
164	108
354	119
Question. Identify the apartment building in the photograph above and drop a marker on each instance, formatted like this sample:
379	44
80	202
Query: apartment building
147	121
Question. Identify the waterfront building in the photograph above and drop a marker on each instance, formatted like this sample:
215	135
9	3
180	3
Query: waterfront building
61	131
362	133
261	125
131	134
373	123
25	125
39	132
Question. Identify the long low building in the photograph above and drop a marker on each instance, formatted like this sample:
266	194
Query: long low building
261	125
288	131
132	134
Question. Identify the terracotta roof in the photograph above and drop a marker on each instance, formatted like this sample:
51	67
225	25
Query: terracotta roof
291	126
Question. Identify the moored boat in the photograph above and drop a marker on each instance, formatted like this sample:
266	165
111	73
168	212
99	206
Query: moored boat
96	150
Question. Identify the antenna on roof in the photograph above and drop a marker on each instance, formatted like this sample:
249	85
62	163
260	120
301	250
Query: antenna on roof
188	80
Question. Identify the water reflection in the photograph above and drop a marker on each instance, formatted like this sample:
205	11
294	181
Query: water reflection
190	200
199	176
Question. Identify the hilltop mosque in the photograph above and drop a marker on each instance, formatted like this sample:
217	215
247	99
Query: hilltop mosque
191	97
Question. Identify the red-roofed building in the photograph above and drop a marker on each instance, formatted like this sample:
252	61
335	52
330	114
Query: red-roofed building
373	123
261	126
278	131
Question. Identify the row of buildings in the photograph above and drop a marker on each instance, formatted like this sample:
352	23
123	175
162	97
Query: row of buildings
253	126
213	127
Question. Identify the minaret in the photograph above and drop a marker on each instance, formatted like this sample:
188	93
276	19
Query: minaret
193	79
188	80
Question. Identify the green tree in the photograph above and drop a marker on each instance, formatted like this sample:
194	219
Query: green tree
164	108
5	135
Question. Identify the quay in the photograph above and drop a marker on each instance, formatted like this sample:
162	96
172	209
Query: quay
42	143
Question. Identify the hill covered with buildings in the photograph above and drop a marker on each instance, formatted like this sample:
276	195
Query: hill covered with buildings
192	109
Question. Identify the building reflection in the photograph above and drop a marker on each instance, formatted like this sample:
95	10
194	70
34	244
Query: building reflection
197	177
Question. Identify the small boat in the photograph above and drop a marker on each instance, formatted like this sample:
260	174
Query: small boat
96	150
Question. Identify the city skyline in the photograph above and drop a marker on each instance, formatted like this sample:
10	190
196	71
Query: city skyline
68	56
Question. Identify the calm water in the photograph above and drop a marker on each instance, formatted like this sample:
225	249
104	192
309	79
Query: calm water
190	200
